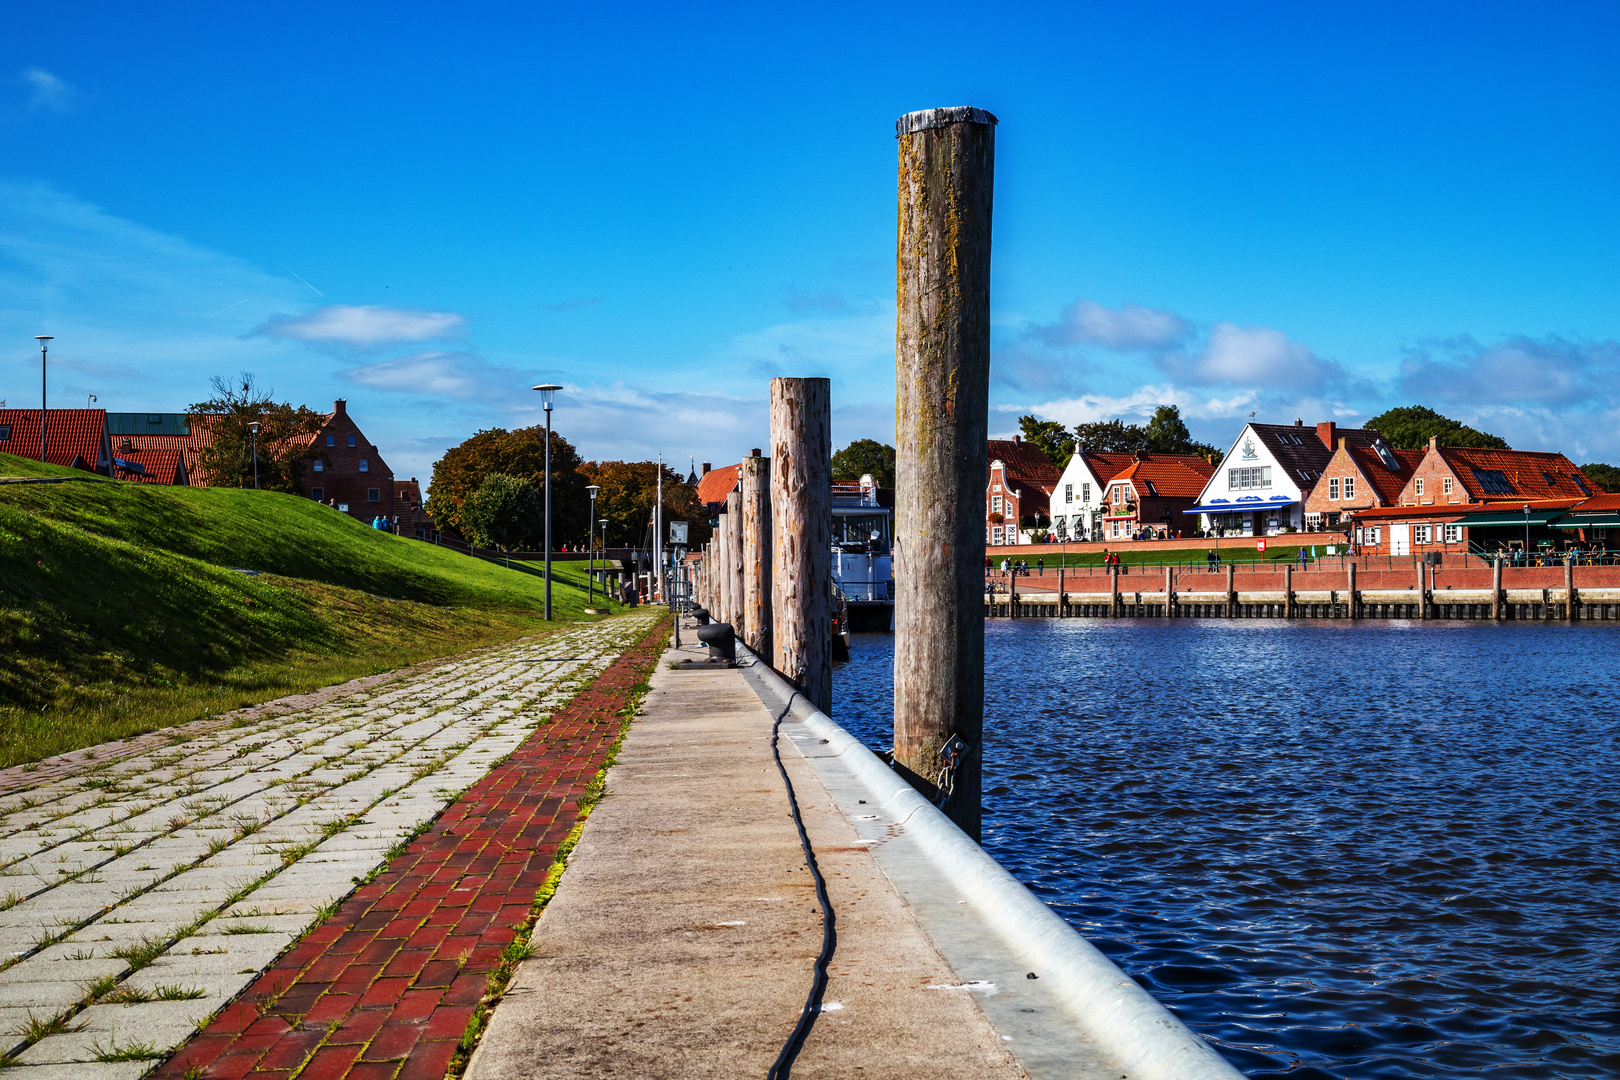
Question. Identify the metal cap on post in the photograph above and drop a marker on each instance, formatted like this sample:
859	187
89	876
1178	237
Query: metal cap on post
942	409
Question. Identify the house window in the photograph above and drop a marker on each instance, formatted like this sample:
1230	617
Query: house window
1375	534
1068	493
365	466
331	440
5	432
1453	532
1493	481
320	466
995	504
1417	486
1445	485
1255	476
995	534
1333	488
1349	487
351	440
372	495
317	493
1085	493
1423	534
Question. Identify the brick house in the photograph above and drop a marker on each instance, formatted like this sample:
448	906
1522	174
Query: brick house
1456	529
1021	482
1359	476
75	438
1152	493
1076	508
1453	475
344	468
1262	484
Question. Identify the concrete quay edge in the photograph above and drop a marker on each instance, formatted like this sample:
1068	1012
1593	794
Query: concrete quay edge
983	919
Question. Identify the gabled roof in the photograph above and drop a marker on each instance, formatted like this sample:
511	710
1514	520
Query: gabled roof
1387	483
161	466
1173	476
1529	475
1025	464
1106	464
1302	452
73	437
716	484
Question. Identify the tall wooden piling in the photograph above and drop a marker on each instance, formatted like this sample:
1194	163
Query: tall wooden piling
942	408
1350	588
1231	591
1423	590
734	563
756	552
801	535
1113	592
722	578
1569	588
1288	591
1168	583
1496	589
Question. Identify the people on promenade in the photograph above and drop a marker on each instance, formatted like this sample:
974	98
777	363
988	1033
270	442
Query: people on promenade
1214	560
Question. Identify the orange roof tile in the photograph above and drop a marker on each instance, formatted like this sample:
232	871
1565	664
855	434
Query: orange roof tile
1531	474
1173	476
73	437
162	466
716	484
1387	483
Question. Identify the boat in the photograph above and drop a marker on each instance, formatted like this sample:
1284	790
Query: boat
862	559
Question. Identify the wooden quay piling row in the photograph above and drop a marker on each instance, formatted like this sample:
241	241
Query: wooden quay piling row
1338	590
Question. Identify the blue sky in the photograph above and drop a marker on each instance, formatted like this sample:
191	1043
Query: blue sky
1291	210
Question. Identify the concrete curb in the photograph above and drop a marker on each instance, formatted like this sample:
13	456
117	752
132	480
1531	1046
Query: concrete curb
1122	1018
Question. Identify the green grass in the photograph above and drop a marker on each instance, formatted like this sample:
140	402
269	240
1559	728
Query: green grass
119	613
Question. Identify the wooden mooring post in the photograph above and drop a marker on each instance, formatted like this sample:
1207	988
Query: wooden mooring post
942	409
801	535
1496	589
1350	594
1569	588
756	552
1168	582
1288	591
733	522
1231	591
722	601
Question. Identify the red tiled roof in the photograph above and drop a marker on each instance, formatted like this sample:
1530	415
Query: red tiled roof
162	466
1527	471
716	484
1387	483
1105	464
1605	501
73	437
1173	476
189	446
1023	460
1400	513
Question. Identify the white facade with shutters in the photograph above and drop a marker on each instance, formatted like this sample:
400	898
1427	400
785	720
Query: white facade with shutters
1077	502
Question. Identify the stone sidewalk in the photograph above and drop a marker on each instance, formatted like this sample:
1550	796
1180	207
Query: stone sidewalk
139	896
681	941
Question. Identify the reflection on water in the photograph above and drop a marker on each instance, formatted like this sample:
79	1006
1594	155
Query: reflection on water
1374	849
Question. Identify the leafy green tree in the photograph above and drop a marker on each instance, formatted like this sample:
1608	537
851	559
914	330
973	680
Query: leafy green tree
1605	476
1111	436
628	491
1055	440
1409	427
861	457
1167	433
506	512
284	441
520	453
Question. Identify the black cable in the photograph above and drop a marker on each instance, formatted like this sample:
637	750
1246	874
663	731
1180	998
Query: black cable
783	1066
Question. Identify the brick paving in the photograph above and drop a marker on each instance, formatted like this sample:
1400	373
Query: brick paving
384	989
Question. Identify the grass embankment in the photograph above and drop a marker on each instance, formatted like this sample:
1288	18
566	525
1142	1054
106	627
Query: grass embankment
1232	549
120	612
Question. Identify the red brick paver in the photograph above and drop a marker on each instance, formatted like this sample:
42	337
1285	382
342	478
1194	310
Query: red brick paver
385	987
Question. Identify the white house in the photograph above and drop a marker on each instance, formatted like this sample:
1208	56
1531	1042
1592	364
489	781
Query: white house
1260	487
1078	497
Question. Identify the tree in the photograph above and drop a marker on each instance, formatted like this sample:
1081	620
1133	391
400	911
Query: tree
1409	427
861	457
628	491
506	512
1167	433
1605	476
284	441
521	454
1055	440
1111	436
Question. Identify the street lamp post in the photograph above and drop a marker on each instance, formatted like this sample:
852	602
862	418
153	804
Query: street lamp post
590	574
603	523
548	394
1527	534
42	339
254	427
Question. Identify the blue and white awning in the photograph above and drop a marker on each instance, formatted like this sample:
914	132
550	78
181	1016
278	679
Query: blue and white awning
1244	505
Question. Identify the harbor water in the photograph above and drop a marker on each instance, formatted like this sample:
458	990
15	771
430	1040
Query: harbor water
1334	849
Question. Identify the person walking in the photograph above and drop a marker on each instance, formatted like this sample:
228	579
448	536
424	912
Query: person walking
1302	556
1213	559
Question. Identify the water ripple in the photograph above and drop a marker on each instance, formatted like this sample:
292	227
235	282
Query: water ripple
1347	850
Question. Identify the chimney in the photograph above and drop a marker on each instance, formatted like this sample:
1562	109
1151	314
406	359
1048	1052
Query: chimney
1341	443
340	407
1328	432
754	452
1299	422
706	468
1434	442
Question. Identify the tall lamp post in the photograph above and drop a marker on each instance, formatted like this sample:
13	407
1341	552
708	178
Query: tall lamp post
1527	534
548	395
603	523
590	573
254	427
42	339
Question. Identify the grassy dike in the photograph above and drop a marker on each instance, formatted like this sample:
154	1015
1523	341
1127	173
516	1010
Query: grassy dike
120	610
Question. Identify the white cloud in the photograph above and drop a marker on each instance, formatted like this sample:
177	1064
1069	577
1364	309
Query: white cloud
366	326
1516	373
1131	326
47	93
1253	356
459	375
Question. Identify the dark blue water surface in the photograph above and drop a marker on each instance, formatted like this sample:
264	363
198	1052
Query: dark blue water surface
1374	849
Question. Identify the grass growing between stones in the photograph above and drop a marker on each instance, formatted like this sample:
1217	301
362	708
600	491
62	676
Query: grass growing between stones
120	612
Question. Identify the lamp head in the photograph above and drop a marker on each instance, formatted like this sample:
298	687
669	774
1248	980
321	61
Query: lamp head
253	426
593	489
42	339
603	521
548	394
